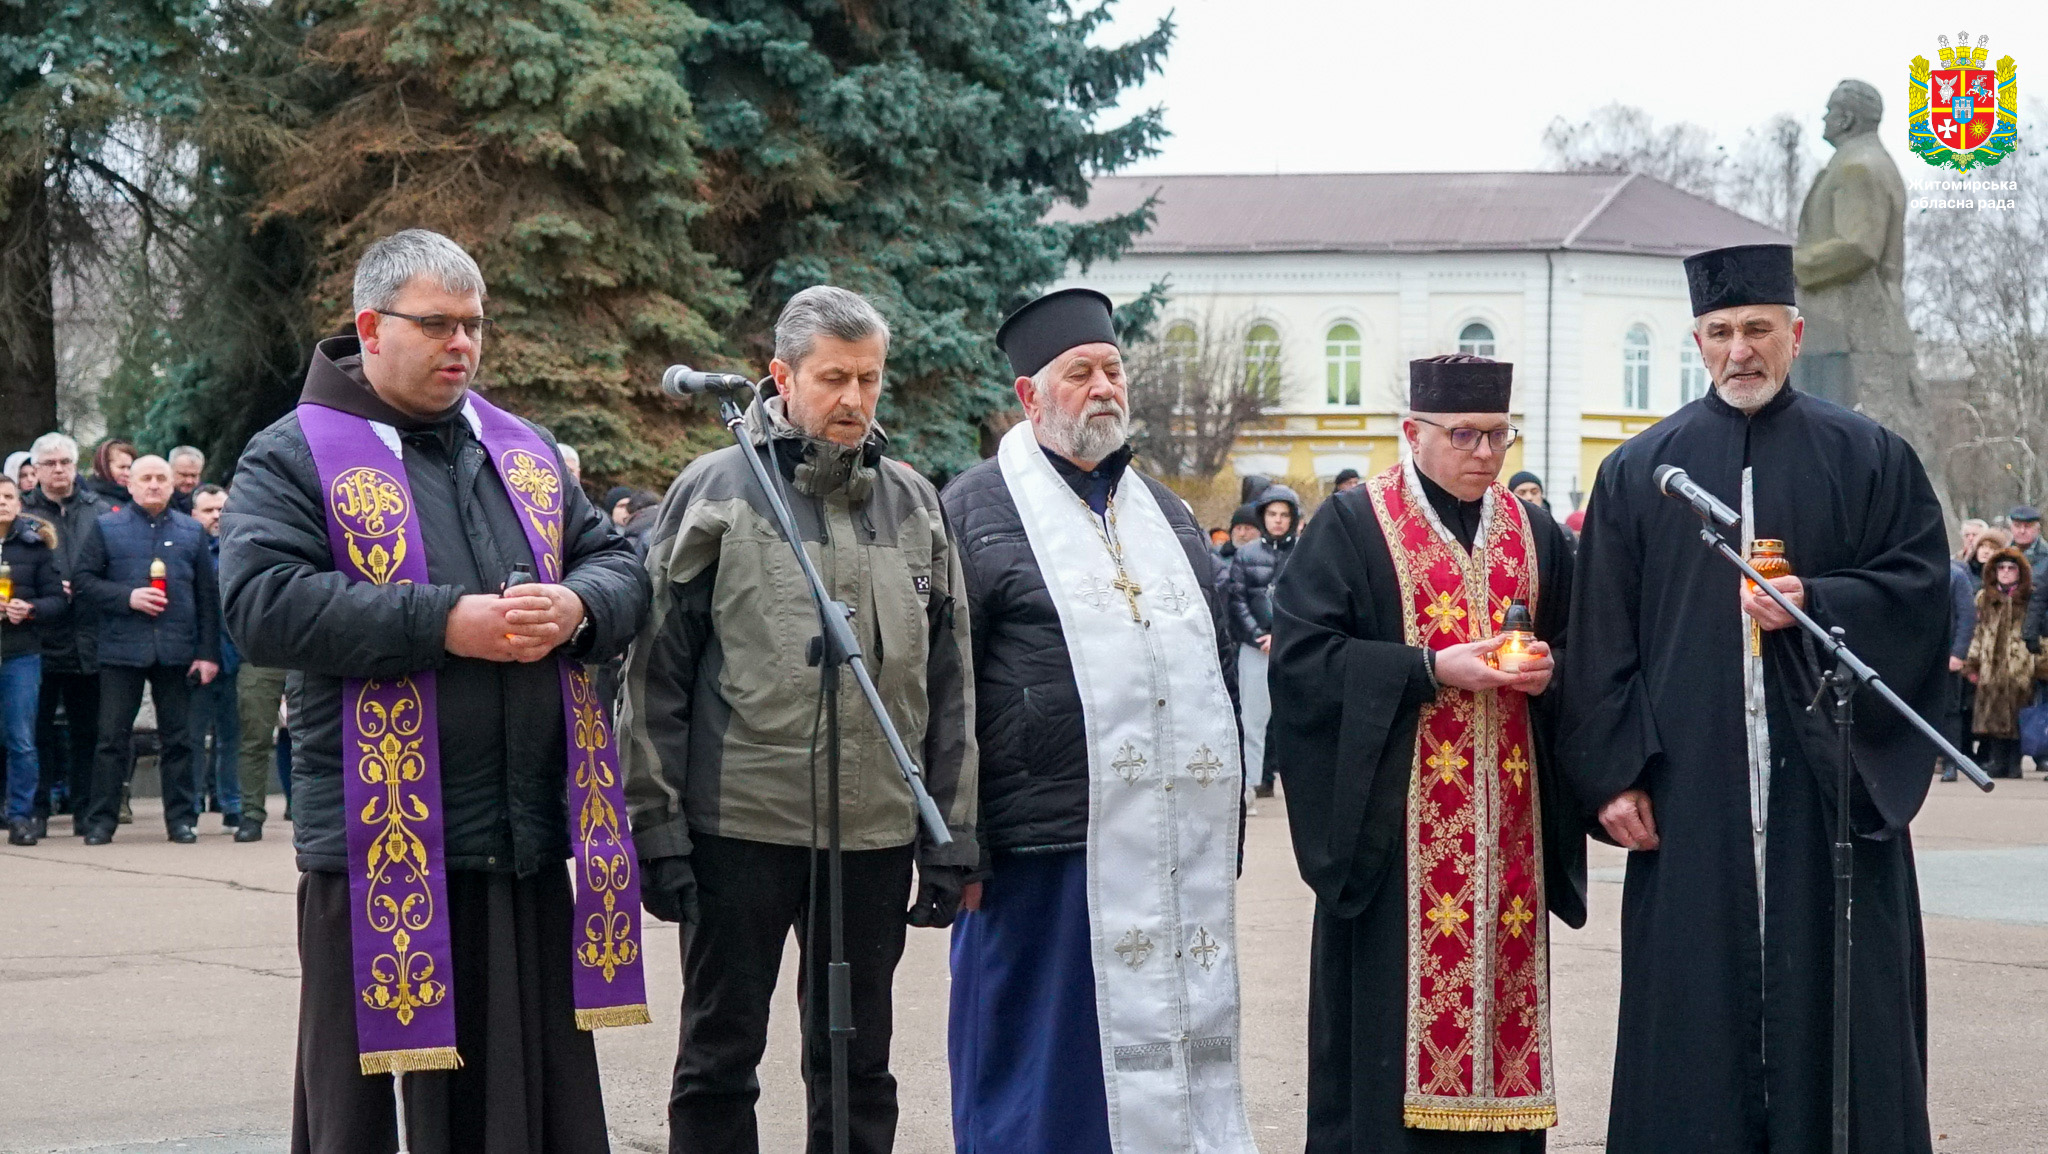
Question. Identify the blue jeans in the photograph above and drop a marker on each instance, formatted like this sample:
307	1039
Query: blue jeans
216	714
21	684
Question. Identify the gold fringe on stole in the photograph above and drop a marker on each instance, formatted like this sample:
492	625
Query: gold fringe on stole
604	1016
1495	1118
408	1061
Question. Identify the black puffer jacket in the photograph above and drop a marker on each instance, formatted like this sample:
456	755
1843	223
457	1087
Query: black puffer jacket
32	566
502	763
1257	566
1027	707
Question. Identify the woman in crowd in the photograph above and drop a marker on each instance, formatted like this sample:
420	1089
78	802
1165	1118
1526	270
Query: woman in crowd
34	598
1999	664
110	464
1973	532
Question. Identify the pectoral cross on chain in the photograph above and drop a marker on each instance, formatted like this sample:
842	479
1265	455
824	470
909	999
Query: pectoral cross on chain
1130	589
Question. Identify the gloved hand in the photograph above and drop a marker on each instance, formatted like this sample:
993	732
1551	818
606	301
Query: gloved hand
668	888
938	895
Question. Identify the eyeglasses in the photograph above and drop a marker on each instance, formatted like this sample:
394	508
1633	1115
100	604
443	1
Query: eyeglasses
1465	438
440	327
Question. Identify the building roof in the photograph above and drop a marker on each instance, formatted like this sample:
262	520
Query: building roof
1421	212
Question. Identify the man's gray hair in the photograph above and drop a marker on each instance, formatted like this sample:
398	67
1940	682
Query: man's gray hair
390	264
825	310
57	441
183	452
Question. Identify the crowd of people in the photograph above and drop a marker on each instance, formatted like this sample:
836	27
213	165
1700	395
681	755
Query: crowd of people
112	590
1996	661
491	673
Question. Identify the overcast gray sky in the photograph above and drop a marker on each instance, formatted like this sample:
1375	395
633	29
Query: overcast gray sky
1426	85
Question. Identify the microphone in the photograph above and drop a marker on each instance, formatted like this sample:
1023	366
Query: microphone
684	381
1672	482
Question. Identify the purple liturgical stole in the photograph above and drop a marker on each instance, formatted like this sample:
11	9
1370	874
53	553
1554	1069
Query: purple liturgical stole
391	772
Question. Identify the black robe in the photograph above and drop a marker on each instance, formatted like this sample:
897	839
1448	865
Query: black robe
1713	1024
1347	691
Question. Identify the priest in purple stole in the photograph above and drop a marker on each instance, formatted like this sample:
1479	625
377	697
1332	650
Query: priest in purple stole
468	901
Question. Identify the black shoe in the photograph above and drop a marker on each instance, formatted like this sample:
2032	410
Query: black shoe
1262	791
183	835
1948	775
250	831
98	837
230	820
21	832
42	826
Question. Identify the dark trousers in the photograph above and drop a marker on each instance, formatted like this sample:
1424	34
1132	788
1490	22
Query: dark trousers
120	698
257	692
216	745
751	894
67	756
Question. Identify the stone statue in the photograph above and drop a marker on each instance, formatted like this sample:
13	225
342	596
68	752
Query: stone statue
1851	265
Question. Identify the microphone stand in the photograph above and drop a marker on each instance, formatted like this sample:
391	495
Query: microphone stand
1840	684
834	647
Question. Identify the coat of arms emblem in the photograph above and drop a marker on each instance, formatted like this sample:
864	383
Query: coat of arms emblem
1963	115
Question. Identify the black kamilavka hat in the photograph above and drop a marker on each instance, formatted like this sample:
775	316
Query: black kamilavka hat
1747	274
1458	383
1052	324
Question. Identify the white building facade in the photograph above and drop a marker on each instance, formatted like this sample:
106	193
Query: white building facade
1342	280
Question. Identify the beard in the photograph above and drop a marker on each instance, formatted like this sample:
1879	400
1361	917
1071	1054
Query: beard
1747	397
1100	430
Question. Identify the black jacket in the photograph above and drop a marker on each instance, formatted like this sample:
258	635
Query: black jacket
501	735
70	645
115	560
111	494
1027	707
32	566
1257	566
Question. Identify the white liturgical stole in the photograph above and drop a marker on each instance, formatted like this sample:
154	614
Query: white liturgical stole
1164	777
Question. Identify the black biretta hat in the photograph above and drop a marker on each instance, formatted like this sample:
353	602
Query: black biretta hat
1747	274
1459	383
1052	324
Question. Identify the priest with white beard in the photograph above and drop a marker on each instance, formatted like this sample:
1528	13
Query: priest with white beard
1095	987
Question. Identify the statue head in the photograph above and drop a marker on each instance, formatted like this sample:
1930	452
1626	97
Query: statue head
1854	109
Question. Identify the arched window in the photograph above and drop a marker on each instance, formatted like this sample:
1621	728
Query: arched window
1635	369
1475	340
1692	374
1262	360
1344	364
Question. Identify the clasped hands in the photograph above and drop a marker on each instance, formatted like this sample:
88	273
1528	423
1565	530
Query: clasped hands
525	623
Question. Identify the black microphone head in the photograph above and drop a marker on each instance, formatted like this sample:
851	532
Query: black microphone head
1664	474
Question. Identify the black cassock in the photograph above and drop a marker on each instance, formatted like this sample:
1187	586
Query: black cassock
1715	1022
1347	690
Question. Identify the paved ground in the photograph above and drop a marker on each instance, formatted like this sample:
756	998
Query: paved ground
148	994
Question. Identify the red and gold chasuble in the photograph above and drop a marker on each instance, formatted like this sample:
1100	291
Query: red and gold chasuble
1478	1048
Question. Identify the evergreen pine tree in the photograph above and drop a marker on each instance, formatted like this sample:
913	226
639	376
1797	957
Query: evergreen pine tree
217	333
552	139
74	75
910	150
